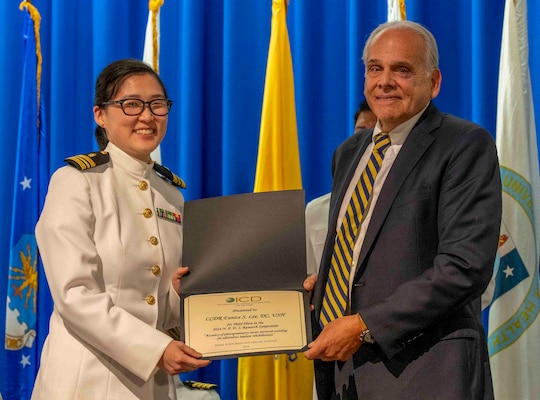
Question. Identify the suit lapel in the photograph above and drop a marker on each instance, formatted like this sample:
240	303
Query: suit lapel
416	144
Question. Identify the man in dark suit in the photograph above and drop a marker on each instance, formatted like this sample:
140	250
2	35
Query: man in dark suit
410	325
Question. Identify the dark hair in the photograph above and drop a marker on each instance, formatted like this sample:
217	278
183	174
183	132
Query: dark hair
364	106
111	78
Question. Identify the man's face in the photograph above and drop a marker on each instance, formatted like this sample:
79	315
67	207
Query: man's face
365	120
397	84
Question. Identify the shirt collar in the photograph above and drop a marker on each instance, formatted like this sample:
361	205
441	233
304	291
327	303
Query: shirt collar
400	132
129	163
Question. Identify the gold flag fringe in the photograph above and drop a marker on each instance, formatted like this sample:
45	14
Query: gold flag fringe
36	18
154	6
402	11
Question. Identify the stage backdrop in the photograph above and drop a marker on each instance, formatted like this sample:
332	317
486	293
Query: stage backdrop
213	59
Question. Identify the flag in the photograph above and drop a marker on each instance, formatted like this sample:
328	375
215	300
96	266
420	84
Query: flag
283	376
278	162
396	10
513	326
151	49
28	303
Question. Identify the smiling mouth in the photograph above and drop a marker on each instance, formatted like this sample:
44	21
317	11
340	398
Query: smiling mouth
386	98
144	132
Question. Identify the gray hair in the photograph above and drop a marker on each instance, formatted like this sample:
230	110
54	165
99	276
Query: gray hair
432	53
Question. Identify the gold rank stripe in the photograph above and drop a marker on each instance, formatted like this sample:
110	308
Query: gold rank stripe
83	161
178	181
87	161
169	176
199	385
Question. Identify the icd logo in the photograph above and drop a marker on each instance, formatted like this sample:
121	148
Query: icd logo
244	299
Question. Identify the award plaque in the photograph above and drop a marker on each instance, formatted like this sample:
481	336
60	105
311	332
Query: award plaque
247	260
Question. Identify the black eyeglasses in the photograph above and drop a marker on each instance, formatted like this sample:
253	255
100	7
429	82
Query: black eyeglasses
131	107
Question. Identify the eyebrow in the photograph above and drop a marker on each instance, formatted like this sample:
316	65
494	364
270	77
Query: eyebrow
138	96
392	64
373	61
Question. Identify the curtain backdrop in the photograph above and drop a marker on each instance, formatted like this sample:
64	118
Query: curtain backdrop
213	59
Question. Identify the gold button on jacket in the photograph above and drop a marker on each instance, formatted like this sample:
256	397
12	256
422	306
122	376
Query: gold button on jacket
150	299
143	185
156	270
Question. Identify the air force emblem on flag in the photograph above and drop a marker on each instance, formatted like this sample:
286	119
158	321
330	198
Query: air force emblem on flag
21	301
516	299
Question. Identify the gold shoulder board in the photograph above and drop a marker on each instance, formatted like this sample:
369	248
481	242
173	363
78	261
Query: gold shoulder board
200	385
169	176
90	160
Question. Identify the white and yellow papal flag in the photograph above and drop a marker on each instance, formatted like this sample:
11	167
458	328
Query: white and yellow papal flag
513	325
284	376
396	10
151	49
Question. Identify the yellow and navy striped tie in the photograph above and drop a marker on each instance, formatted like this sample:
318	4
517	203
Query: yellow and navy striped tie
337	287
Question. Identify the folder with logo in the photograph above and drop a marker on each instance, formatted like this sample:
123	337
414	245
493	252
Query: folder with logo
247	258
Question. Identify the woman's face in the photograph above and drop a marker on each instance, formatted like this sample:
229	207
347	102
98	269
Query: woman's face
136	135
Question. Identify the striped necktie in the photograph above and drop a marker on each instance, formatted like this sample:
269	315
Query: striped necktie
337	287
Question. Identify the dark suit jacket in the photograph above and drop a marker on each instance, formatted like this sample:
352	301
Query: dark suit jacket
427	257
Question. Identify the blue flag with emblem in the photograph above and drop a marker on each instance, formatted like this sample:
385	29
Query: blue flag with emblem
28	302
513	299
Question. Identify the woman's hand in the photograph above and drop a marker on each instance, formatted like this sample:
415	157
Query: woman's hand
178	358
177	278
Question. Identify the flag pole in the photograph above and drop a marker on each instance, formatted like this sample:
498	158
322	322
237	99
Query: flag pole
151	49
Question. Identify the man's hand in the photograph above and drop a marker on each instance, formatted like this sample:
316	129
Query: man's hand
178	358
339	340
309	284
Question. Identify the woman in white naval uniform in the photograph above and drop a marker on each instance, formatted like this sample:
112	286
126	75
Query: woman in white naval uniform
110	237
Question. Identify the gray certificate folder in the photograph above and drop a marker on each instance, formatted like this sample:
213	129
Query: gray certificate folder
254	241
246	242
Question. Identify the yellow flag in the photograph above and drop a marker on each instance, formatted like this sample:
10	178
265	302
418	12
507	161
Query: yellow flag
281	377
278	163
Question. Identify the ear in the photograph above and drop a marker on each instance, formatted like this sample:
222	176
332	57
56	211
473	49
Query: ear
436	79
99	116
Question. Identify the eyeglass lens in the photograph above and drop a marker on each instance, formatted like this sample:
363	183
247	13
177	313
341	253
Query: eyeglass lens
158	107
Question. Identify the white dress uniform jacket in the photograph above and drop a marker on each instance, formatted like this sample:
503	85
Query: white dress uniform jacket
110	237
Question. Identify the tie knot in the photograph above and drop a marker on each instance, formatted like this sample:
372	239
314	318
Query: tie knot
382	141
380	136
